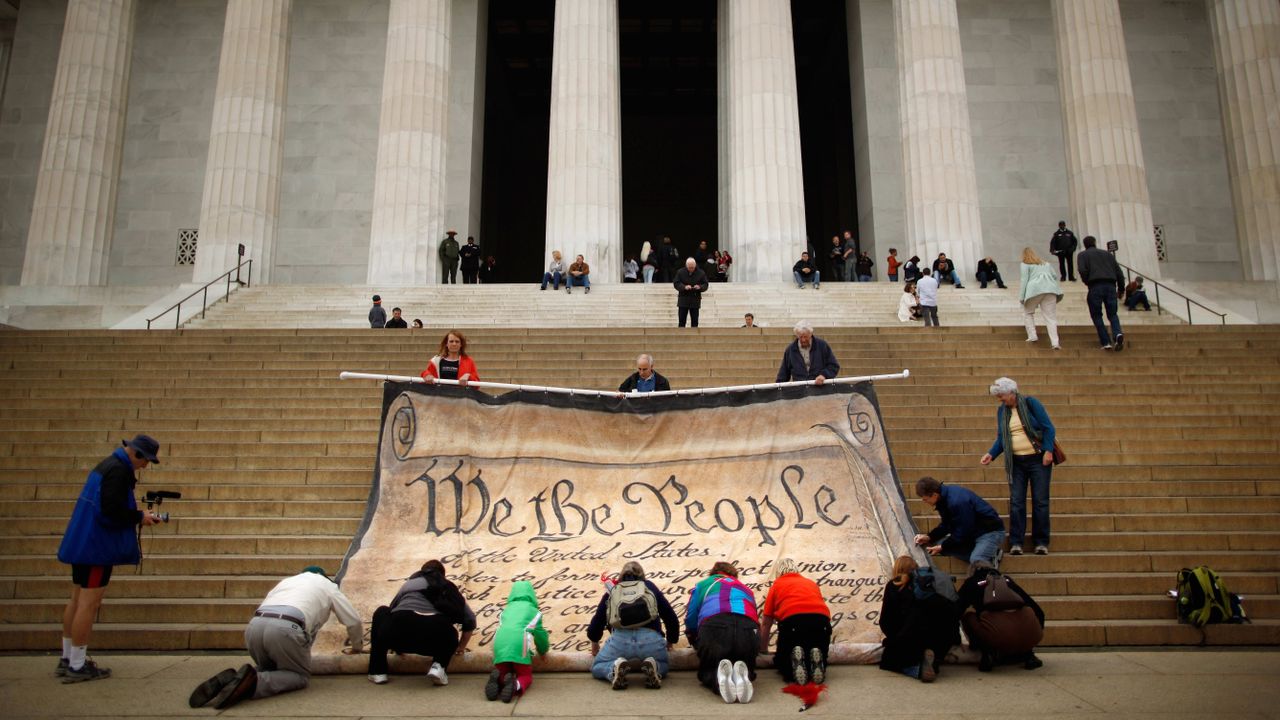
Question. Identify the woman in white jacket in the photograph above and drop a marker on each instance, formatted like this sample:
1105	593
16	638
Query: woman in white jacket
909	304
1040	289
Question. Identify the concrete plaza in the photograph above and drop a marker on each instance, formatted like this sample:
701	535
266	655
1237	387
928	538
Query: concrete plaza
1168	685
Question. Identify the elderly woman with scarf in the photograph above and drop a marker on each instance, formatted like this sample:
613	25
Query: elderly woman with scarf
1025	435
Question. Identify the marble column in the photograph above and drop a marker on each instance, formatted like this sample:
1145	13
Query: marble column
1106	175
1246	42
409	184
940	182
69	240
584	163
761	178
241	202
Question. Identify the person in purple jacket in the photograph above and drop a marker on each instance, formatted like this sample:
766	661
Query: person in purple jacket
722	624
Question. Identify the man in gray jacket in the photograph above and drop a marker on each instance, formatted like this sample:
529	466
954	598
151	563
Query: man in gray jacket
377	315
1100	271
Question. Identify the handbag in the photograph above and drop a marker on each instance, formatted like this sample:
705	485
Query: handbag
1059	455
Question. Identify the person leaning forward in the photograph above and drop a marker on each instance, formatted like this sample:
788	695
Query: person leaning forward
808	357
629	644
420	620
968	527
279	639
99	536
691	281
645	378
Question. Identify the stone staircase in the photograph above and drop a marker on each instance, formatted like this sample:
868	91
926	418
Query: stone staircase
777	305
1173	454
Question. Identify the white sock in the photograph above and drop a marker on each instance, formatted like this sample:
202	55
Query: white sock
66	648
78	653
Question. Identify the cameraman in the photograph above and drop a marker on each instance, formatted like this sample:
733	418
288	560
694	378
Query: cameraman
100	535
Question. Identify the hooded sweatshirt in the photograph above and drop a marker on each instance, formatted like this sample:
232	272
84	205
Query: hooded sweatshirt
521	609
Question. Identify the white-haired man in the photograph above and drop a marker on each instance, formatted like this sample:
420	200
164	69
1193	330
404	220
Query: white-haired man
645	378
808	357
691	281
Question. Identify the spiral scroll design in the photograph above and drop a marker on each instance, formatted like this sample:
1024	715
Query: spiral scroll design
862	426
404	429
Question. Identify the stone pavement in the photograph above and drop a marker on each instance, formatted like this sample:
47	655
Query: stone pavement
1170	685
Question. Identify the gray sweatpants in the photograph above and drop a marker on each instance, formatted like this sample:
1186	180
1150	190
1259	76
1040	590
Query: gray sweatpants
281	650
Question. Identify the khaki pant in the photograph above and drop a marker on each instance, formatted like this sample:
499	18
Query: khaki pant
1048	304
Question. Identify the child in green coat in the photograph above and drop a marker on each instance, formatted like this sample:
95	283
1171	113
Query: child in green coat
520	634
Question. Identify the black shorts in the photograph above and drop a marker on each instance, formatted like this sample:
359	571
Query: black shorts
91	576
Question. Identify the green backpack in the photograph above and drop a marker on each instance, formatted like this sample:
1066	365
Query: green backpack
1202	597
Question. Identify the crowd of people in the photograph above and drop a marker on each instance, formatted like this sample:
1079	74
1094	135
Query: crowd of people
429	615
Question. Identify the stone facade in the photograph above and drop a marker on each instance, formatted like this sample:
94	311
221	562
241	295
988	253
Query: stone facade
336	58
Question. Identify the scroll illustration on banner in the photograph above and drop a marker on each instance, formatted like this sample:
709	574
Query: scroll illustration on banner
558	489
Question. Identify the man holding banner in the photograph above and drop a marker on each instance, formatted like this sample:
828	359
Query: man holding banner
807	358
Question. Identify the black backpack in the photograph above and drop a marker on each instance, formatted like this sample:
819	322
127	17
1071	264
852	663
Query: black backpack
445	596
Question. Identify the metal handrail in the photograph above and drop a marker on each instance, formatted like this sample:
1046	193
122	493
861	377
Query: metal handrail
1128	278
204	302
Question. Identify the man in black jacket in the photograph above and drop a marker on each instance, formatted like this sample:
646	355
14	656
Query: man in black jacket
690	283
645	378
470	255
805	271
808	357
988	272
1063	245
1100	271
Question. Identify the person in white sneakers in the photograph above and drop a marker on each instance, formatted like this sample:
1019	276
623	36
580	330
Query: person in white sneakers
279	639
722	624
421	620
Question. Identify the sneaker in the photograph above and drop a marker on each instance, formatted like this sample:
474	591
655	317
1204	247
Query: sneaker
742	689
1032	662
1034	339
210	688
799	286
1055	347
569	290
819	666
1015	550
376	679
928	673
588	291
63	665
437	675
959	287
88	671
1042	549
817	285
724	678
652	679
1107	346
797	666
1119	342
241	686
493	686
618	676
509	688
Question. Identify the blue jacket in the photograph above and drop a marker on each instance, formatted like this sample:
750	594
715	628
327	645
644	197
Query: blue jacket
1039	422
964	516
99	532
821	362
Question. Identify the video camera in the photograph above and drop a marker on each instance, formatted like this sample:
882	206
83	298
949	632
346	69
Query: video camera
155	497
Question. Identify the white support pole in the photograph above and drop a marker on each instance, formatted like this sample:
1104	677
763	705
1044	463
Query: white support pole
607	393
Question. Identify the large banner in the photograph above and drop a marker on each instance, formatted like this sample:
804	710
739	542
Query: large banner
559	489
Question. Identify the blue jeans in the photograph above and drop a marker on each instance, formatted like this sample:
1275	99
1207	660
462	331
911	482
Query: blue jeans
551	278
634	645
893	277
982	548
954	278
1103	294
647	272
800	279
985	278
583	280
1136	298
864	278
1029	470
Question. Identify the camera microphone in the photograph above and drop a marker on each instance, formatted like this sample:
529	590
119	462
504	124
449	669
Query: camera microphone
155	495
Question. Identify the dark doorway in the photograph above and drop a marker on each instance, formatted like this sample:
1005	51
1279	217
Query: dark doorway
826	121
516	125
669	174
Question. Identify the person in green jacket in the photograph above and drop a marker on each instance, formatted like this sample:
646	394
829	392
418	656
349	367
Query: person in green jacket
520	634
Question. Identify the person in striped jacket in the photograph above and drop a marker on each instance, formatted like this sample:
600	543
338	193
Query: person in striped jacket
721	623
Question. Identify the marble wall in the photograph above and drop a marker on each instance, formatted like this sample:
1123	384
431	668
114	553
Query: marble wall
166	137
1015	113
336	55
1175	86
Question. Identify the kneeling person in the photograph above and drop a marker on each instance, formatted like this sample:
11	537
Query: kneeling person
421	620
279	639
1000	618
636	613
